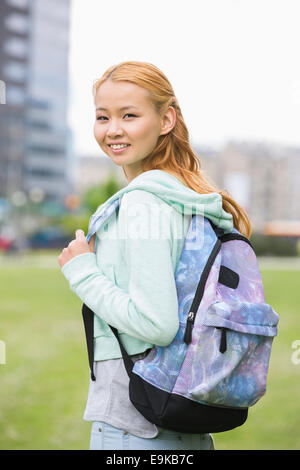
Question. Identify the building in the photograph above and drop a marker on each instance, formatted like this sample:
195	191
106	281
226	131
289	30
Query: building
34	37
14	51
262	177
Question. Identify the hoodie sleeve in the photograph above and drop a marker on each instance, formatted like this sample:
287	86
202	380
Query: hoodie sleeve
149	310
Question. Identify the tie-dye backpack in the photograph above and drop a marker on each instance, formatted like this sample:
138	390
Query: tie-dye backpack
216	367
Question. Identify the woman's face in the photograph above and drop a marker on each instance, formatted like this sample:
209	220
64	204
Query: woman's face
127	116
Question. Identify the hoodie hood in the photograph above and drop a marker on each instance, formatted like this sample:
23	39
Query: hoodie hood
183	199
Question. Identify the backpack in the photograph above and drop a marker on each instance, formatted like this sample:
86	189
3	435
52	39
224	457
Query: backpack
216	367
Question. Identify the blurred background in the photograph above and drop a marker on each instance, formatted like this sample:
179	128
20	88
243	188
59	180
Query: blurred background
235	71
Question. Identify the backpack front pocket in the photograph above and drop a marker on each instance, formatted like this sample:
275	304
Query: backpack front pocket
231	357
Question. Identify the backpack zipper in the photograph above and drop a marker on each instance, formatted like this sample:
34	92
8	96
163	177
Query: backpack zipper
189	326
200	289
199	292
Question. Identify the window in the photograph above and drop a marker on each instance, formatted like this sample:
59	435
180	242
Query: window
44	172
16	47
46	150
15	95
18	3
17	23
15	71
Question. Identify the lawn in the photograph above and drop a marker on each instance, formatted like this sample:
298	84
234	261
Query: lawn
44	382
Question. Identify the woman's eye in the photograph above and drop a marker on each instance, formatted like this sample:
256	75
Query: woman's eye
99	118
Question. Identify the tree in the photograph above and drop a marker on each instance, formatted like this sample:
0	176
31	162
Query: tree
91	200
97	195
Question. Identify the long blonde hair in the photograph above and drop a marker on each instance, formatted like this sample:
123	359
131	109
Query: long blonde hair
173	151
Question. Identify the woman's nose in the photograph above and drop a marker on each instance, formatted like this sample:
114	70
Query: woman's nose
114	129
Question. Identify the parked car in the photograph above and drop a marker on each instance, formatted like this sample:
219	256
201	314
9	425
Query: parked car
5	244
49	237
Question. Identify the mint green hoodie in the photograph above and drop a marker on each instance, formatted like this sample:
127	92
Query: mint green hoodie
129	281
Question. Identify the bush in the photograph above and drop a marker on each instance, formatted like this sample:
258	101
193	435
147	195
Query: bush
97	195
266	245
91	200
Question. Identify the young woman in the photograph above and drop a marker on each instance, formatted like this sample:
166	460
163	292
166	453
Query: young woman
128	281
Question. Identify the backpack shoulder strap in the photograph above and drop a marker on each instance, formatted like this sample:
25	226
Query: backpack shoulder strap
88	321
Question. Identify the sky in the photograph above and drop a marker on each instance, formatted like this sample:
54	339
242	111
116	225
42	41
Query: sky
233	64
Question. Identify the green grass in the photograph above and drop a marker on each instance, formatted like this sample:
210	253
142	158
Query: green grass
273	423
44	382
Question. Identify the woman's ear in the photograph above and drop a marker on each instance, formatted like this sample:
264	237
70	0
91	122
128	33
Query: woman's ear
169	121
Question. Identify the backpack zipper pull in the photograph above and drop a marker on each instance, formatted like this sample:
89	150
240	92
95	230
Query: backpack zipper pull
189	326
223	342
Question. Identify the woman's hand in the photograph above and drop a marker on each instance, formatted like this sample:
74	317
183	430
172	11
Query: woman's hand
76	247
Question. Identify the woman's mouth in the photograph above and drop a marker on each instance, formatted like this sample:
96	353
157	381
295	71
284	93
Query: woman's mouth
119	148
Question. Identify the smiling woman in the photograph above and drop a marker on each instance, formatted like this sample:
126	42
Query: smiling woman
129	282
